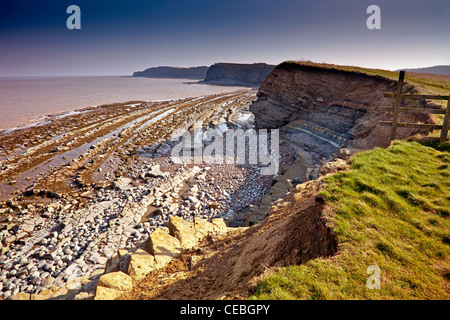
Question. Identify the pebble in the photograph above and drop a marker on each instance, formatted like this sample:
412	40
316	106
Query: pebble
52	262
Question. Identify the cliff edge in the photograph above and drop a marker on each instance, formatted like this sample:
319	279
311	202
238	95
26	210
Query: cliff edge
338	104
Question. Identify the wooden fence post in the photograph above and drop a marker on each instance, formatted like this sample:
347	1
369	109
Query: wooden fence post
446	123
397	103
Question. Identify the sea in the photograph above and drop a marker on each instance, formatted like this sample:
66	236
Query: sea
26	101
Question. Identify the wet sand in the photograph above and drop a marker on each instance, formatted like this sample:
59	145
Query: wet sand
61	155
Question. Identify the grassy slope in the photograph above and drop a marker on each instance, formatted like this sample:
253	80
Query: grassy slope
391	210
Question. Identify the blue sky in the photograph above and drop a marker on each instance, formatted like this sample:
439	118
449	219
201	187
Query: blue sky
119	37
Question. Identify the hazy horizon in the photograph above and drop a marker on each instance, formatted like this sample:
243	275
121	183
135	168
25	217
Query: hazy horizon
130	75
118	38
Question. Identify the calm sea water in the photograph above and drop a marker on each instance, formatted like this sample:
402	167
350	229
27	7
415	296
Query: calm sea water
24	101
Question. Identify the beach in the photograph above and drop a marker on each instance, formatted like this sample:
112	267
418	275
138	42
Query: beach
80	186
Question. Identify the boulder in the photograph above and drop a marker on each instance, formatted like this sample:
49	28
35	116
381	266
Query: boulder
155	172
21	296
112	285
124	259
184	231
118	262
163	247
191	233
141	263
113	264
219	226
122	183
203	228
116	280
103	293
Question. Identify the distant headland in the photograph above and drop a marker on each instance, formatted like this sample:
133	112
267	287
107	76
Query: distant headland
173	72
233	74
443	69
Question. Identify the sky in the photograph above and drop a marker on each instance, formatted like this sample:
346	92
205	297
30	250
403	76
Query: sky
120	37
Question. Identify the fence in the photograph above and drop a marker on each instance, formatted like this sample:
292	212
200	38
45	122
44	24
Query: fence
396	108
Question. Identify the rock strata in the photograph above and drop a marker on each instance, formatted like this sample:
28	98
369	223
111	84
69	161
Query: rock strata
335	106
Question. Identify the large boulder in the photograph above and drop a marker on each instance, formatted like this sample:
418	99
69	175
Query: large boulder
141	263
191	233
184	231
118	262
219	226
163	247
21	296
112	285
204	228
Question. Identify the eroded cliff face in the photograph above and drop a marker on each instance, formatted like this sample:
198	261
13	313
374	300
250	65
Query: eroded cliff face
339	106
238	73
322	112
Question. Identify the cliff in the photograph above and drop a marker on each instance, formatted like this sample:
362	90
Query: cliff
173	72
238	74
341	104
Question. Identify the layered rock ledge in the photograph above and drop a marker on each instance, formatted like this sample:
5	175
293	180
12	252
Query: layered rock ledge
343	107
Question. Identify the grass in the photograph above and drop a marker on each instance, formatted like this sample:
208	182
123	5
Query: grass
392	210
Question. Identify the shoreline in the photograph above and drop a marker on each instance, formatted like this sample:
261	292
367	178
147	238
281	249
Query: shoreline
28	101
45	119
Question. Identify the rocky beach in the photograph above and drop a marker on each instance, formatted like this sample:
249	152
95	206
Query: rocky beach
79	187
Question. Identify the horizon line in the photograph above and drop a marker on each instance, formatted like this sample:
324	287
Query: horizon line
131	74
